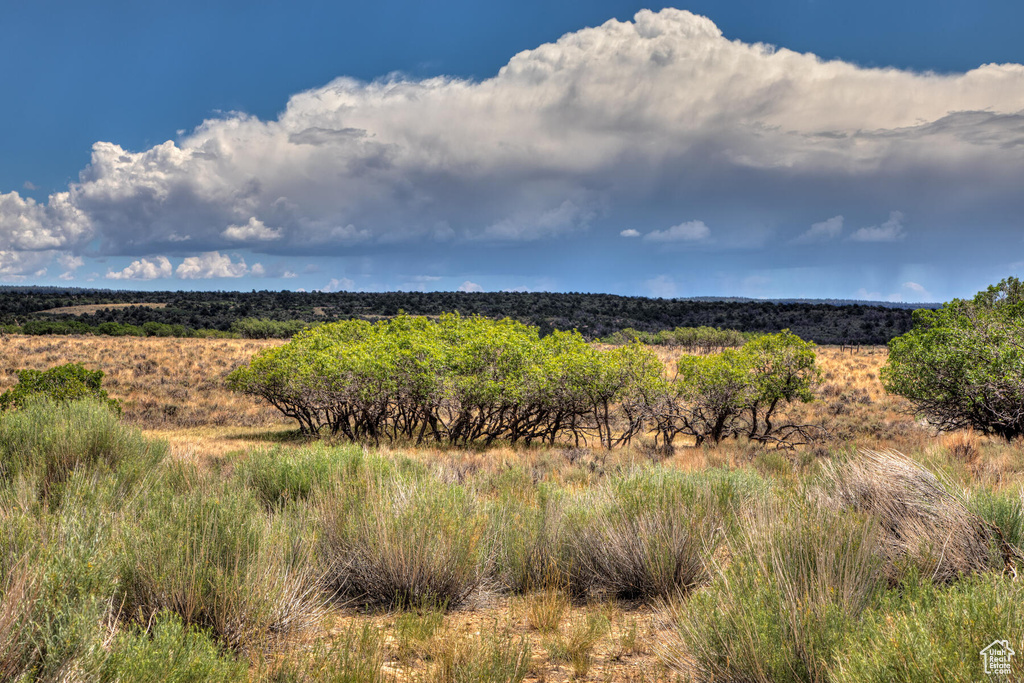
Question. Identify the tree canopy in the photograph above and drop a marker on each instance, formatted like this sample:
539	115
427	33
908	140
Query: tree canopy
963	365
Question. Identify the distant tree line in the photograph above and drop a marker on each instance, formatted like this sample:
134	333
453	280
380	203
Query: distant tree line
593	315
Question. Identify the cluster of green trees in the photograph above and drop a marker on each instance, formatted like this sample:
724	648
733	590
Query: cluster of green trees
701	339
963	365
460	380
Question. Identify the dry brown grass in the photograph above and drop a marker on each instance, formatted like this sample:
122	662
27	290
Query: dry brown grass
95	308
163	383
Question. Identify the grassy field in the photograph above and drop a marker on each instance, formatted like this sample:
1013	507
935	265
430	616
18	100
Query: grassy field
198	538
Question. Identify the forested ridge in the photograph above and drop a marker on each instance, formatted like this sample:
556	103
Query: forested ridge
594	315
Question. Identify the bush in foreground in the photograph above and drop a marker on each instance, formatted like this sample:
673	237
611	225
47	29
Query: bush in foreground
213	557
391	543
46	441
926	632
798	580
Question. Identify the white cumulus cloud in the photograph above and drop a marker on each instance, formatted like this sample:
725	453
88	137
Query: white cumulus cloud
254	230
603	118
143	269
210	265
468	286
630	233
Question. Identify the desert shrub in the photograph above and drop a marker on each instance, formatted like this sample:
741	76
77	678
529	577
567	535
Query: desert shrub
170	652
927	632
644	537
55	588
737	391
396	543
46	441
798	579
278	476
212	556
925	524
529	549
67	382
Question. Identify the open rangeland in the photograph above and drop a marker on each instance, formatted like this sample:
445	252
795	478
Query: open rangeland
296	560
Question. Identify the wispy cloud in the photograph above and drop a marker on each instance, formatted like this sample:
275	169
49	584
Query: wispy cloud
822	232
890	231
691	231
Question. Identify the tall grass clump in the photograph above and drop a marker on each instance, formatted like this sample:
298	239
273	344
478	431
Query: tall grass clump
212	556
56	585
926	524
529	549
650	534
279	476
797	580
393	542
45	441
927	632
357	656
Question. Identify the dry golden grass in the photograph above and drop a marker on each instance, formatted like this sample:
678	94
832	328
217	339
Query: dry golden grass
95	308
163	382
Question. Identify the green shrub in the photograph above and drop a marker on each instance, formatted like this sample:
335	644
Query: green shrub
279	476
67	382
119	330
926	632
961	366
45	441
172	653
213	557
395	543
55	588
797	582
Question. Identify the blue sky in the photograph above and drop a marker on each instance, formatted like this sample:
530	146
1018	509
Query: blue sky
776	149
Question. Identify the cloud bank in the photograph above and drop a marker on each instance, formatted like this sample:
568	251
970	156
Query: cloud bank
605	119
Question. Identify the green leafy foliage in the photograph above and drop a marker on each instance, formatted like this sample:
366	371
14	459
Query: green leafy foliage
457	380
963	365
738	391
67	382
